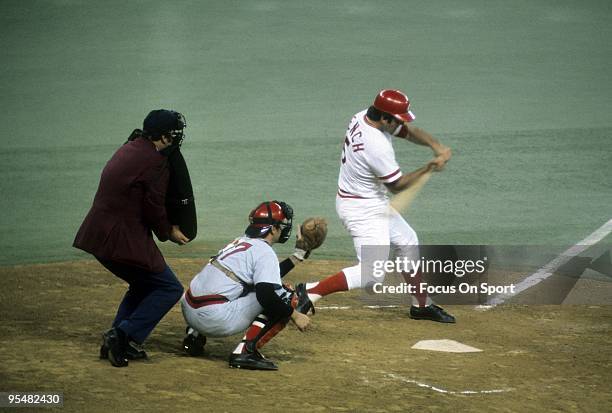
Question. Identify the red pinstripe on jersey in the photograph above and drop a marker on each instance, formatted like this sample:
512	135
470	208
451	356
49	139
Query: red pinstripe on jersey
388	178
343	194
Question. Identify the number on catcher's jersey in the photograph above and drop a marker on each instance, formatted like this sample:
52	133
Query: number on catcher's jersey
233	248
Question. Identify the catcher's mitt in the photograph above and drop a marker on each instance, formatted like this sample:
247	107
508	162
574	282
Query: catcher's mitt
311	234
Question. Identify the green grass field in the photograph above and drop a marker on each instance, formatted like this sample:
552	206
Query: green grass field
533	187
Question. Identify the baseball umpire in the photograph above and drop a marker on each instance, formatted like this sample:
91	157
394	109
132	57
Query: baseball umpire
240	289
129	206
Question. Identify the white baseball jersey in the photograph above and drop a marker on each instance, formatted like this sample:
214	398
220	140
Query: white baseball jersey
252	260
368	161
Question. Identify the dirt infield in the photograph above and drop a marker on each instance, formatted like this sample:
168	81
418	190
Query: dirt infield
535	358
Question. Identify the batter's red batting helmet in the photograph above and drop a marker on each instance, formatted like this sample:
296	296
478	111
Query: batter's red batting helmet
395	103
268	214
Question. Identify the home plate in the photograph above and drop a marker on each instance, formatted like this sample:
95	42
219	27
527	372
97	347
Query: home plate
449	346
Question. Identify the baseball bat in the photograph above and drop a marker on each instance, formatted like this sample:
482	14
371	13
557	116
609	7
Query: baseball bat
401	201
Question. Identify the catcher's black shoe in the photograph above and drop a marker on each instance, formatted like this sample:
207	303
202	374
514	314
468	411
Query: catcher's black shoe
251	361
193	343
304	304
117	342
431	312
132	352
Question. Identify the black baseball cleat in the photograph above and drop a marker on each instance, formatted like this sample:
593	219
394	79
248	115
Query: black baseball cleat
116	342
431	312
132	352
193	343
304	304
251	361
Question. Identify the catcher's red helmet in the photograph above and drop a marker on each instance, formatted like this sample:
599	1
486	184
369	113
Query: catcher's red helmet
396	103
268	214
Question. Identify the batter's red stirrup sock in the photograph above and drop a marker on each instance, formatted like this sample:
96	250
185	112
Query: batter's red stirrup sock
332	284
419	299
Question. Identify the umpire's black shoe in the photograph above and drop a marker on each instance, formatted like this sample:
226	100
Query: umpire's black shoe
304	304
251	361
431	312
193	343
132	352
117	342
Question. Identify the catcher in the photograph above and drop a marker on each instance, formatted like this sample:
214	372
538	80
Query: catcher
240	288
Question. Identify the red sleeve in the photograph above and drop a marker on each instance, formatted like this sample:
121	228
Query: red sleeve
155	182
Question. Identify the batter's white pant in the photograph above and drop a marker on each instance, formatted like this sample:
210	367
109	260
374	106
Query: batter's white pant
373	222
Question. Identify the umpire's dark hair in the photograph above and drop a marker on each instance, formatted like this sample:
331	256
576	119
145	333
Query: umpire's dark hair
150	136
376	115
139	133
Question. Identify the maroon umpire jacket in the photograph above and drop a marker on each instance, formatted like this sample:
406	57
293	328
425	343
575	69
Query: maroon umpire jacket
128	206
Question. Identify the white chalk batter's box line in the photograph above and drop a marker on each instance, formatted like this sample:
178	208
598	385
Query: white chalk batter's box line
436	389
348	307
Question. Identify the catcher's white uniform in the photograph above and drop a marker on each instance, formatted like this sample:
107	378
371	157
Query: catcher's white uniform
362	202
251	260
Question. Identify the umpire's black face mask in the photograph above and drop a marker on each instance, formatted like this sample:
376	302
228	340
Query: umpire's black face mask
177	137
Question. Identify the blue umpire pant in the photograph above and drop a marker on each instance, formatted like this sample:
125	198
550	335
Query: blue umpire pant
149	297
